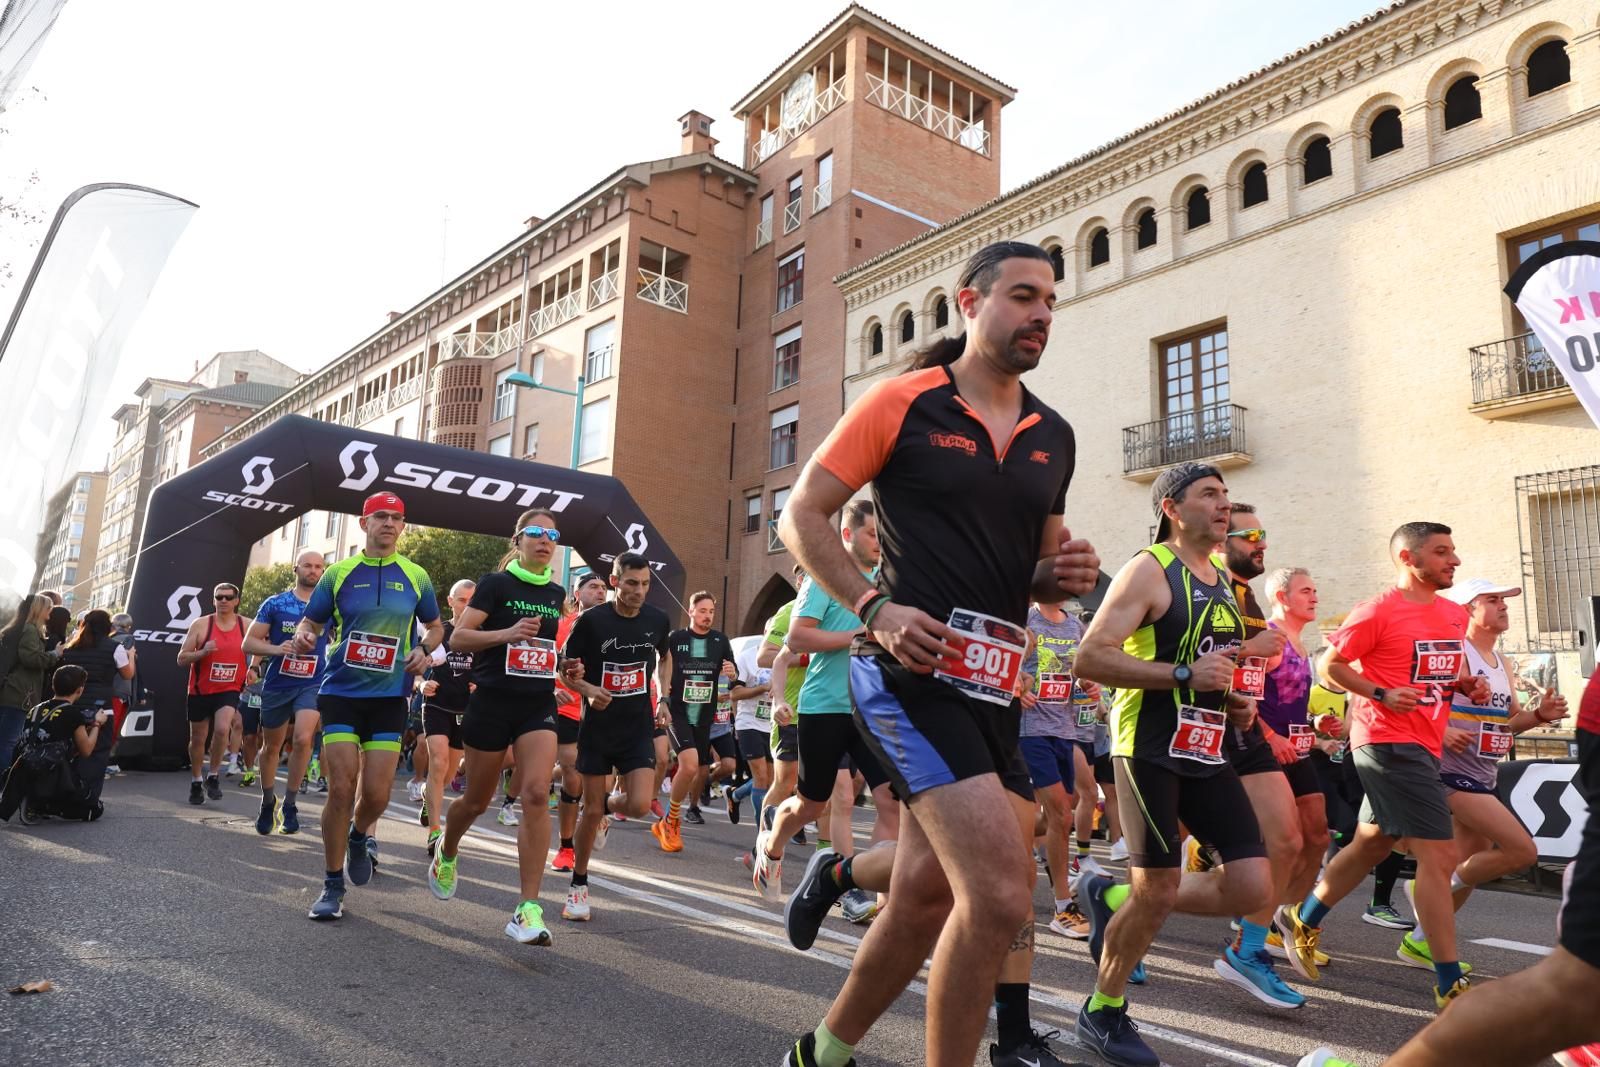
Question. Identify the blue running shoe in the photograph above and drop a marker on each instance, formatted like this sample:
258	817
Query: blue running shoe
289	817
267	815
1255	975
358	858
1114	1036
330	905
1092	902
1137	975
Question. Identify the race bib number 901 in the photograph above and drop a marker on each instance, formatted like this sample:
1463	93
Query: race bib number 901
991	659
535	658
372	652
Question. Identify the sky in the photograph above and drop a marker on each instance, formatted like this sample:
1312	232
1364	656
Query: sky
348	157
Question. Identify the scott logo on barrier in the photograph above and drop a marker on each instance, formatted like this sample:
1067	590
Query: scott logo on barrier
637	542
183	608
362	456
258	478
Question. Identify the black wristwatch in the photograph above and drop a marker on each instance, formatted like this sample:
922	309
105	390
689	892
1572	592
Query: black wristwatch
1182	674
1378	694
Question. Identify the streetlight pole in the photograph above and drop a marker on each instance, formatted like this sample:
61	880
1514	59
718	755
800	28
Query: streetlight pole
527	381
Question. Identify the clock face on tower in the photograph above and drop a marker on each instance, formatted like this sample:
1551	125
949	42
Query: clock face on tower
797	98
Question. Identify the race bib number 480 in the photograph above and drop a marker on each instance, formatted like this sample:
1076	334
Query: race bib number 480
991	657
623	679
535	658
372	652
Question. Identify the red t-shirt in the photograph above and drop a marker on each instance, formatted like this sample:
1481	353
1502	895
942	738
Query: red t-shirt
1397	642
1589	705
573	709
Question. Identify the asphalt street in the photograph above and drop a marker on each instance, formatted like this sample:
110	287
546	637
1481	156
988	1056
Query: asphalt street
175	935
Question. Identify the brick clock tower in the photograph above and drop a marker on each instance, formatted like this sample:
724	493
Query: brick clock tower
865	138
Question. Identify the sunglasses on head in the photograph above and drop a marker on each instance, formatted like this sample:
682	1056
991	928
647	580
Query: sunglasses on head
542	531
1255	535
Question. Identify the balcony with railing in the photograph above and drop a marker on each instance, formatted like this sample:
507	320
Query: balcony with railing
371	410
763	233
790	127
405	392
1514	376
822	196
660	289
1215	434
791	215
553	314
603	289
480	345
969	134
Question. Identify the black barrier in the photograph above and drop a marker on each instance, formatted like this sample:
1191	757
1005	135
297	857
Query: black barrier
200	526
1542	795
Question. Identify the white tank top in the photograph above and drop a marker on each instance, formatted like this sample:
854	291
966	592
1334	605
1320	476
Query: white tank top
1489	724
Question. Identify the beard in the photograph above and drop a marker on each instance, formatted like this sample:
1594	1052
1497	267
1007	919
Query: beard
1243	563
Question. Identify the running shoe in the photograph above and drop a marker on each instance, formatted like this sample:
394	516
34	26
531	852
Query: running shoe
1299	939
732	803
655	809
1091	900
213	788
330	905
577	906
458	785
766	877
507	817
414	791
197	793
358	858
1323	1057
1114	1036
527	924
1137	975
809	903
667	835
423	813
433	841
248	778
1254	975
799	837
1442	1000
804	1053
1417	954
1070	922
230	765
1275	949
1090	866
267	815
1197	857
322	784
601	834
1119	850
1035	1051
1582	1056
314	769
693	817
442	874
288	817
112	770
564	860
859	906
1386	916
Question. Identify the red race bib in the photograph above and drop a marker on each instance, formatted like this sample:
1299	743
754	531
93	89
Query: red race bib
1198	735
372	652
223	673
1494	740
1303	738
535	658
1055	688
991	659
1250	677
295	665
623	679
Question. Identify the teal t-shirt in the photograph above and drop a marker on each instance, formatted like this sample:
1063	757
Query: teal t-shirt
826	690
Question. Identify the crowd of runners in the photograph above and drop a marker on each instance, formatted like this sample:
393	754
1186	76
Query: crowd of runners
937	661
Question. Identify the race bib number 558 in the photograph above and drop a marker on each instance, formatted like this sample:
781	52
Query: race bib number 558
991	657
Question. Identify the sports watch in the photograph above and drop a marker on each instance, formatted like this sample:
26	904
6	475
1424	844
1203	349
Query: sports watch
1181	674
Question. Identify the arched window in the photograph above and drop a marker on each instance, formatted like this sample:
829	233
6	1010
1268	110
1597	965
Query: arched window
1197	209
1317	161
941	314
1384	134
1255	185
876	340
1146	228
1461	102
908	328
1099	247
1548	67
1058	263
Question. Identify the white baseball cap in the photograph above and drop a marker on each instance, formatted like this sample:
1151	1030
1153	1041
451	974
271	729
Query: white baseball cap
1464	593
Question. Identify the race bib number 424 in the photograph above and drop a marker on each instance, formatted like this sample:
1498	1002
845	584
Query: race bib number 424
991	657
535	658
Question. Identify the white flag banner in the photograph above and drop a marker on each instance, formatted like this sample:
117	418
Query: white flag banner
87	287
24	24
1557	290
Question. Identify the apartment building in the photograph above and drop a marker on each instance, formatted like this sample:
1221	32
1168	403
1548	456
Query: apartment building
1298	278
69	538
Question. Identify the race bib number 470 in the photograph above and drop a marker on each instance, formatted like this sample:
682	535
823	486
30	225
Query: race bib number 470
991	657
372	652
1055	688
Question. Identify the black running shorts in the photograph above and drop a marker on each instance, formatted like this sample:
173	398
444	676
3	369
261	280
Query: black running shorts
201	706
827	743
755	744
602	751
685	734
1302	775
1153	801
437	721
567	729
494	719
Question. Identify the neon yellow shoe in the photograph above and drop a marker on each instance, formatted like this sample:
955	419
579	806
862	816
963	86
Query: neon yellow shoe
527	924
1442	1000
1414	953
442	874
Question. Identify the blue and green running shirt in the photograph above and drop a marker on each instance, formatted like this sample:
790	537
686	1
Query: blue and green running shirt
371	608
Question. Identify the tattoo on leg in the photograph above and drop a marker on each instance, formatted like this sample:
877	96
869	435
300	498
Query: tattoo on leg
1024	938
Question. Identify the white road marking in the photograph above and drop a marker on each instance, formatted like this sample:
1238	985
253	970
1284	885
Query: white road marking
1514	946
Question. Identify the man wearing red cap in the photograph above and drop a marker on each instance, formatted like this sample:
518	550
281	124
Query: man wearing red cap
371	603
